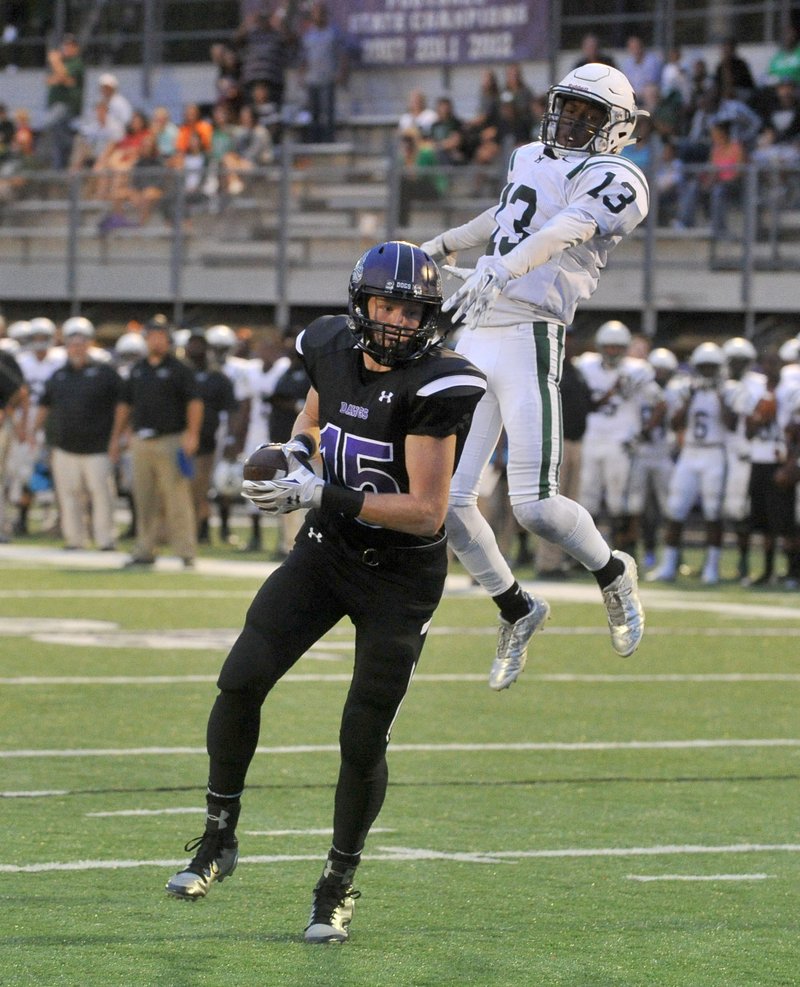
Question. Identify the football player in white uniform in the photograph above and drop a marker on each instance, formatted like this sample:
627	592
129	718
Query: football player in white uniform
655	453
700	469
741	393
568	201
618	384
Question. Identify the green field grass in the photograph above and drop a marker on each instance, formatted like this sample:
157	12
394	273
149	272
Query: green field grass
604	822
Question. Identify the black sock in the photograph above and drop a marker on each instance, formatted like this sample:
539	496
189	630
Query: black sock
348	859
512	604
613	568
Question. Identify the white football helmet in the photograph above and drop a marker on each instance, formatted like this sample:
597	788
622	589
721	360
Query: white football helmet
738	348
77	326
707	360
602	86
42	333
130	345
20	332
612	340
789	351
662	359
221	337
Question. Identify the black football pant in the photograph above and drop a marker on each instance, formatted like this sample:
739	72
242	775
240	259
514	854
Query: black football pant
390	604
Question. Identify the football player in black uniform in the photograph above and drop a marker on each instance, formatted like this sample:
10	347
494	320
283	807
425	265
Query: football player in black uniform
387	412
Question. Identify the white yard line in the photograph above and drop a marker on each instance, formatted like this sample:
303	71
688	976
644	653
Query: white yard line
599	745
649	878
408	854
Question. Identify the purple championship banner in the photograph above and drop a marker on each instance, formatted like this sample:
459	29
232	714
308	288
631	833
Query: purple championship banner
444	32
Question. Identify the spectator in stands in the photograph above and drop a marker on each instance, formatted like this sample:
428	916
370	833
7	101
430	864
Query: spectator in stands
592	52
266	111
94	137
193	123
324	63
641	66
24	140
487	115
717	186
521	94
499	137
222	134
779	140
64	98
19	159
80	404
165	131
227	85
252	148
732	73
161	401
7	130
216	392
418	116
116	161
676	77
267	41
785	63
13	395
419	179
447	133
670	177
149	182
119	107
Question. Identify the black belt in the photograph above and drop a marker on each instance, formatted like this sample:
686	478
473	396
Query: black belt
381	556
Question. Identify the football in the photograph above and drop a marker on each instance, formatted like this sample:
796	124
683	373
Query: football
266	463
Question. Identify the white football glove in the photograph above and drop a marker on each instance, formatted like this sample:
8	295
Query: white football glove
436	249
296	454
300	488
474	300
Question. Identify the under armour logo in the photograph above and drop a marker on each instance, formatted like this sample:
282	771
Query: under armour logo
315	534
386	396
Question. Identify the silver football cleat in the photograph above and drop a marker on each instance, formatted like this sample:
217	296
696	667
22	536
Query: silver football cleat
332	907
211	863
624	609
512	644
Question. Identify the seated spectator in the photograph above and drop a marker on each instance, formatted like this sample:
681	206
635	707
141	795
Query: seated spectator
118	158
447	133
119	107
192	164
19	158
785	63
498	139
745	123
732	73
266	111
418	115
193	123
148	183
717	186
165	131
676	77
418	156
7	129
24	141
94	137
670	177
779	139
641	153
252	148
487	115
592	52
222	133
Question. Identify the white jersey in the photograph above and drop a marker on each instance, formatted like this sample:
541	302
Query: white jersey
619	419
704	424
262	384
741	397
239	372
37	373
606	189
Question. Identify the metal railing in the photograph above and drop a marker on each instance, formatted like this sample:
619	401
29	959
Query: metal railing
286	235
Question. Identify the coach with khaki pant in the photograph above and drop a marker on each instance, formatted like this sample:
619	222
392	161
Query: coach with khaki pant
162	405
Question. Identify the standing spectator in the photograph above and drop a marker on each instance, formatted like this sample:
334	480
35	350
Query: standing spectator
267	42
591	51
119	107
79	404
545	243
216	392
641	67
487	114
785	63
732	73
227	85
418	115
520	92
371	550
64	98
94	137
324	64
447	133
718	185
161	401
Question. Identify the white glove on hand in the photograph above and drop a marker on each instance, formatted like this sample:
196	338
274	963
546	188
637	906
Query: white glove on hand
296	454
474	300
436	249
300	488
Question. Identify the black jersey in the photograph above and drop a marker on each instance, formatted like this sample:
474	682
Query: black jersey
365	415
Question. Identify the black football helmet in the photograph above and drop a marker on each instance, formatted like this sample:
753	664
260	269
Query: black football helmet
395	270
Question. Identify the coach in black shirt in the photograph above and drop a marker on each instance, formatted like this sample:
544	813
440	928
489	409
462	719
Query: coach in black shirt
161	402
81	399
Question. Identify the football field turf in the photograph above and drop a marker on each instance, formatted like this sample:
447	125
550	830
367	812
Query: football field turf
606	821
